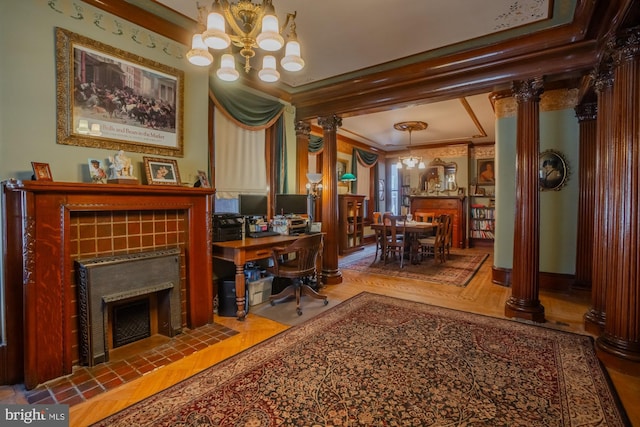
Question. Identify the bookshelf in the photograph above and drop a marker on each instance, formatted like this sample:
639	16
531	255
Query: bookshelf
482	223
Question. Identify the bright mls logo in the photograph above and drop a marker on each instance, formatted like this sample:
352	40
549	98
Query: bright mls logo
34	415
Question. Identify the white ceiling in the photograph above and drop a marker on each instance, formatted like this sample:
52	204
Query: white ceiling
346	37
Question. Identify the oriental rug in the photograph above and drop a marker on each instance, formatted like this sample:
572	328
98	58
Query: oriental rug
374	360
457	270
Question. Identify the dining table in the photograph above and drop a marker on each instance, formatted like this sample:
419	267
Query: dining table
413	230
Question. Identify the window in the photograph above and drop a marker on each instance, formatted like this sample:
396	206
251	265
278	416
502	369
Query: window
394	189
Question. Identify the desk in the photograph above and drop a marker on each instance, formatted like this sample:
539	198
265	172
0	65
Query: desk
412	229
239	252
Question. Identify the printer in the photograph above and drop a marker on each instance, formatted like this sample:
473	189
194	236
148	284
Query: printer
227	226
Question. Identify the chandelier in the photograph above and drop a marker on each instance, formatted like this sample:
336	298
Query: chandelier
252	26
410	161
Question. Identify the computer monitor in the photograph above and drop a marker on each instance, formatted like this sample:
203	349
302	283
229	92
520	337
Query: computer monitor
291	204
252	205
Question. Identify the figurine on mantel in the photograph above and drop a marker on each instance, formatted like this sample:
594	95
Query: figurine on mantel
121	169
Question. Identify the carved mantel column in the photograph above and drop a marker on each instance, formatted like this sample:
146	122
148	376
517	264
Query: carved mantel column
330	272
601	205
303	132
523	302
586	114
620	343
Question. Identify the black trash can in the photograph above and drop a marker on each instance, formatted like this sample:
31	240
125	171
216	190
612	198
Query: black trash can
227	306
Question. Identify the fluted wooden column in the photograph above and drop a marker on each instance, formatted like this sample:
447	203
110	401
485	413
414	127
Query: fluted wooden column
303	132
620	343
330	272
595	316
586	113
523	302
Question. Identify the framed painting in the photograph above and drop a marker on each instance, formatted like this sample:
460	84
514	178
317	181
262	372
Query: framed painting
553	172
161	171
109	98
486	172
41	171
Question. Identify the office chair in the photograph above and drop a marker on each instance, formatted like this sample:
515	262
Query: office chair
297	262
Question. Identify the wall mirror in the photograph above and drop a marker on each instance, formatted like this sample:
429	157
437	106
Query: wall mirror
439	177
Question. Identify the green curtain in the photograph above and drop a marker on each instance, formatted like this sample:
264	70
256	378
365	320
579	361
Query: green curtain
370	160
281	157
254	112
316	144
246	108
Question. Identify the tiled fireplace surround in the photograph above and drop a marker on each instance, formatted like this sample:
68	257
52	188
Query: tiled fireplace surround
53	224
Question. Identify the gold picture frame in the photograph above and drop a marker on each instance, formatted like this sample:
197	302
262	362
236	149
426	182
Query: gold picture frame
109	98
161	171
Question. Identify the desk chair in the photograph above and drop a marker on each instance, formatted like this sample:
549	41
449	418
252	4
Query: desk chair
297	262
394	236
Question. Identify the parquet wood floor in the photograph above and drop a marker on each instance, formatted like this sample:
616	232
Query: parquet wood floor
563	311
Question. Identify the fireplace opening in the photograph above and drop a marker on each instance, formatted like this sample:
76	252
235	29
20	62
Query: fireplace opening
126	298
131	322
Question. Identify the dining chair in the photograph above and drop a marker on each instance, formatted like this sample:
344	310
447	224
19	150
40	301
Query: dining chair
394	236
424	216
297	262
436	244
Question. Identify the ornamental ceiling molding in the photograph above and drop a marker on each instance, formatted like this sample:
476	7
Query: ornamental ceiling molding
458	150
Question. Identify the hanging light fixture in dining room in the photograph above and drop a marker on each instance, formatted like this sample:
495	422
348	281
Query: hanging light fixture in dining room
410	161
252	26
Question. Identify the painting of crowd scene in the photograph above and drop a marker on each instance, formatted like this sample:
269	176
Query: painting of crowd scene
119	92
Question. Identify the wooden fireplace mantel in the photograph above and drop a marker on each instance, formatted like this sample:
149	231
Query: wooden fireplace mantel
38	266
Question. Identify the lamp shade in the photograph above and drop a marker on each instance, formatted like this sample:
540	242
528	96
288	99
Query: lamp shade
269	73
314	178
227	70
348	177
270	39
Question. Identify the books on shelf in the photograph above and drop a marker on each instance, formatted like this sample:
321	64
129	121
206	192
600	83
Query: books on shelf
482	234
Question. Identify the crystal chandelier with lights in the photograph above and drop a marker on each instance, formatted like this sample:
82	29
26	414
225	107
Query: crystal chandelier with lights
410	161
252	26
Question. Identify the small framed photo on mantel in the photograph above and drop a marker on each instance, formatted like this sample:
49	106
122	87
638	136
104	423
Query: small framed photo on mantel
41	171
161	171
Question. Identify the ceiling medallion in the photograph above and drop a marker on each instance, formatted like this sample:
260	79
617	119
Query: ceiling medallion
410	161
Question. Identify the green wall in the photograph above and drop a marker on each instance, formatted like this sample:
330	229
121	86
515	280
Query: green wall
28	88
559	131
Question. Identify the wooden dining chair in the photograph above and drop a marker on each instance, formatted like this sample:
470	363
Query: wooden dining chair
435	245
394	236
424	216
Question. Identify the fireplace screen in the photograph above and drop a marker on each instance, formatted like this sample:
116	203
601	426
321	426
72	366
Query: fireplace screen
109	280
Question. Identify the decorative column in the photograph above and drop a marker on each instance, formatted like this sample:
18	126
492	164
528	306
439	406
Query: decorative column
586	114
594	318
523	302
303	132
330	273
619	346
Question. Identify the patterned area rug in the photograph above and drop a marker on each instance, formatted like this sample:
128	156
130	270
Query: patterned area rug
457	271
375	360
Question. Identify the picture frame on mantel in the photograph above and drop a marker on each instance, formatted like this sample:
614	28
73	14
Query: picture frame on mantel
161	171
99	89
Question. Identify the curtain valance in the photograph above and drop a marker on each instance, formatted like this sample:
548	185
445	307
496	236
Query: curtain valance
245	109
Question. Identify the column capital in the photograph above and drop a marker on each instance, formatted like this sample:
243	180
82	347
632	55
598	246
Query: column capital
603	76
626	46
303	128
527	90
330	123
587	111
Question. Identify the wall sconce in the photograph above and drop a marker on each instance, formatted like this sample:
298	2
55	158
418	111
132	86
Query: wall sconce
314	188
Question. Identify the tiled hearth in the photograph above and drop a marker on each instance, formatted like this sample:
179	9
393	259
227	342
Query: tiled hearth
86	382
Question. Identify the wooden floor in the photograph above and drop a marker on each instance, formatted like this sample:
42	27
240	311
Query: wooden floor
563	311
